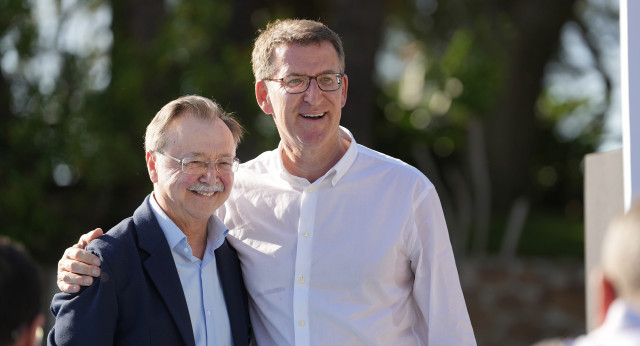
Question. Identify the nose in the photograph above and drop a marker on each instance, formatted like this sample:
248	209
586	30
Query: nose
210	174
313	93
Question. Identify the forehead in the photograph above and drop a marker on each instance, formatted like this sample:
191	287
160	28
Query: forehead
308	59
190	134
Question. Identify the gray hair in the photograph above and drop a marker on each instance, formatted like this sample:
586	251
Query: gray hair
198	106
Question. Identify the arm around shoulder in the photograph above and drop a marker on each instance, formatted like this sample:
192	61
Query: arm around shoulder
87	317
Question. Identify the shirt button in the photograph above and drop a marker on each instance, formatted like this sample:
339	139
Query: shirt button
301	323
208	312
305	234
186	250
301	280
309	189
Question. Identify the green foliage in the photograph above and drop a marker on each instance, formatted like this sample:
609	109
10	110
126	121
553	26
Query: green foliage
72	148
547	234
487	50
74	156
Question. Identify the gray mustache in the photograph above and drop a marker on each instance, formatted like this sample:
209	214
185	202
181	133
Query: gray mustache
199	187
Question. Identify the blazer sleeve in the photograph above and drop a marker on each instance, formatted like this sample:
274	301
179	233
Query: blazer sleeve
87	317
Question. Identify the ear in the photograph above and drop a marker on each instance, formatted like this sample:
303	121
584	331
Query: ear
606	294
262	96
151	166
28	335
343	90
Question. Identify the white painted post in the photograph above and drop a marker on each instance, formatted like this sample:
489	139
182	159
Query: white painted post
609	192
630	93
603	201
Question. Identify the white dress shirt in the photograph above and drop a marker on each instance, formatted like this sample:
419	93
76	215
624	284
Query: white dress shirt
621	327
208	312
360	257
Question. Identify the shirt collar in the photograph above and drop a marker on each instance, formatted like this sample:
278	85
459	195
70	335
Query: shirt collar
216	230
336	172
622	314
347	159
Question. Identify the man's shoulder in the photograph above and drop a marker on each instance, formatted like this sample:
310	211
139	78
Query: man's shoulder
374	159
254	170
260	162
117	236
124	235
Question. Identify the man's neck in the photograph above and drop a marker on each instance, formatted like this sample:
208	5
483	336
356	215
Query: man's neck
196	233
197	239
313	163
195	230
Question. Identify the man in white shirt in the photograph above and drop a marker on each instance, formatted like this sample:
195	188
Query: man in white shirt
339	244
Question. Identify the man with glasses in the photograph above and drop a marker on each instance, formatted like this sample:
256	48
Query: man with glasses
168	275
339	244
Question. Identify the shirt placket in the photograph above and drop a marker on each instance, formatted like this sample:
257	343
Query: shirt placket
302	278
208	294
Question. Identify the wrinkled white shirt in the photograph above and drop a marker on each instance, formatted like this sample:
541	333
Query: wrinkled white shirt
361	256
621	327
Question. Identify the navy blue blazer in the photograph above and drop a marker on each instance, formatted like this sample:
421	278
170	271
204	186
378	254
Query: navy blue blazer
138	299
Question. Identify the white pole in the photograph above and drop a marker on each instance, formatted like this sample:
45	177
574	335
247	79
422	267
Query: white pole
630	94
609	191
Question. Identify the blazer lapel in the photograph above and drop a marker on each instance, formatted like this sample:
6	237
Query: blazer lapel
234	292
162	269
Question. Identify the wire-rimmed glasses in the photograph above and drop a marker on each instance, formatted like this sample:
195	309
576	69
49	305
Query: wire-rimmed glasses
223	165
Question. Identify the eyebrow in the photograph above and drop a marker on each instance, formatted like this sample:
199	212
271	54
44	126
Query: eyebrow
194	155
302	74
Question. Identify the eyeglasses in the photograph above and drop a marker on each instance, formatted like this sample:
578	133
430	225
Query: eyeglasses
224	165
299	84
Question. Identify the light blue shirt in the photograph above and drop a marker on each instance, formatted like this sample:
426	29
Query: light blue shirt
621	327
208	312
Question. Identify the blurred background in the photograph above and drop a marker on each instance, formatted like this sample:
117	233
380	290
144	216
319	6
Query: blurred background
496	101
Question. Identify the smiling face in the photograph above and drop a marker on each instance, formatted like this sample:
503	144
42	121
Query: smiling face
308	120
190	199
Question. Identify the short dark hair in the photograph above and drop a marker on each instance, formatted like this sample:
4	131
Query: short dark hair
20	291
299	32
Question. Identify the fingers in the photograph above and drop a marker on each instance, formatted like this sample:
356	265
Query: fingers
73	274
70	283
78	258
67	288
76	269
88	237
77	266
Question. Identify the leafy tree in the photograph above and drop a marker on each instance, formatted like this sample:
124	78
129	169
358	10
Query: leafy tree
473	109
468	104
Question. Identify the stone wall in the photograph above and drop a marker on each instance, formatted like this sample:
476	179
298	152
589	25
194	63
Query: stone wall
522	301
